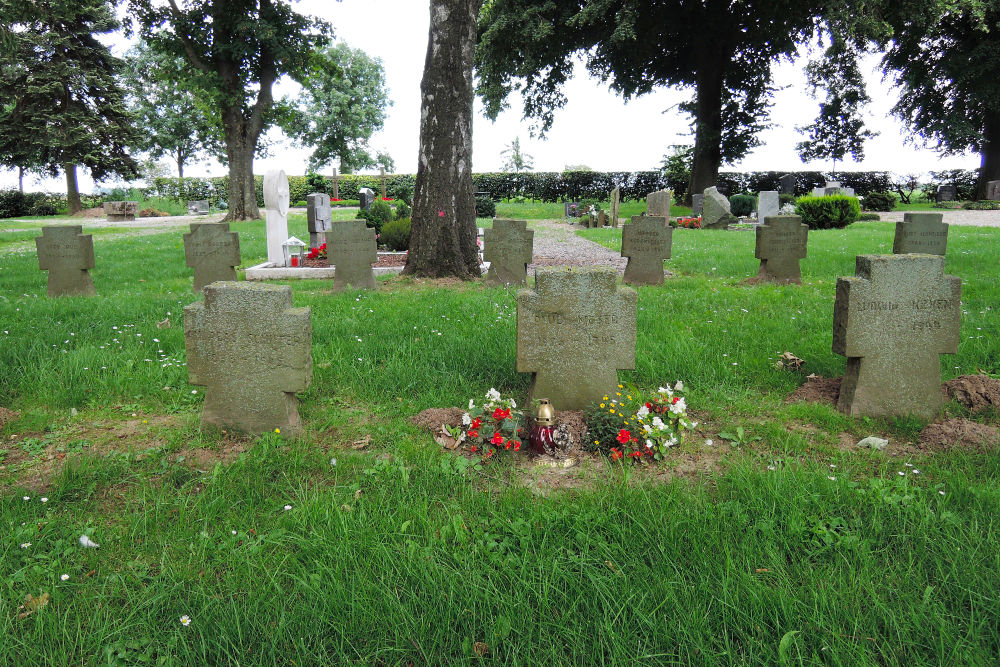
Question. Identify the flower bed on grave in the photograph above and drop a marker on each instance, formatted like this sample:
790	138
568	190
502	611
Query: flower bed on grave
317	258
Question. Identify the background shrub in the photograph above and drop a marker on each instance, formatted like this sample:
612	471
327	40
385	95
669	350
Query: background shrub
402	209
879	201
830	212
485	207
982	205
396	235
742	205
868	217
379	214
786	199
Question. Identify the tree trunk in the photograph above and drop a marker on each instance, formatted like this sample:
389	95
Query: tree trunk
20	179
443	236
240	149
708	125
72	190
989	165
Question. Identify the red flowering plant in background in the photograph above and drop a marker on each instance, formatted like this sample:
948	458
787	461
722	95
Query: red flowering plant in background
492	427
317	253
687	223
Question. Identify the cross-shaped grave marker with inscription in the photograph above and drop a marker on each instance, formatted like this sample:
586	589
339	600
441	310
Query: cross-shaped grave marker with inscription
646	241
781	242
318	217
574	331
213	252
253	352
892	321
67	254
351	248
508	248
921	232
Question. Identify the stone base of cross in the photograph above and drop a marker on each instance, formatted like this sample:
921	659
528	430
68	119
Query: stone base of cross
508	247
351	249
67	254
646	242
213	252
781	242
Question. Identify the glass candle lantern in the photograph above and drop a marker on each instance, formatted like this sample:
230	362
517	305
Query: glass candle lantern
541	441
293	250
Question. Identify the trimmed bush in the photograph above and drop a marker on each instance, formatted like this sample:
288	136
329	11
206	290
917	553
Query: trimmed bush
784	198
742	205
830	212
379	214
868	217
402	209
485	207
879	201
982	205
396	235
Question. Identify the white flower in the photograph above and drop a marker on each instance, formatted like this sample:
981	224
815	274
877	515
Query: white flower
513	405
647	428
649	444
831	478
194	391
45	500
233	532
88	543
679	386
64	577
333	461
288	507
643	412
941	492
26	498
679	407
901	473
663	390
185	620
466	419
709	442
493	395
25	545
915	471
472	403
658	423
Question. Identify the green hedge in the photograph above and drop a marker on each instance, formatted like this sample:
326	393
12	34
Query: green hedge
396	235
879	201
830	212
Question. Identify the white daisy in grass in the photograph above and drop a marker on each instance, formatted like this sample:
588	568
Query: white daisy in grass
185	620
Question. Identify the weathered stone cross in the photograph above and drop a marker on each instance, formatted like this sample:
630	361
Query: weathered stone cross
351	248
318	217
892	321
213	252
253	352
574	331
921	232
646	241
508	248
67	254
781	242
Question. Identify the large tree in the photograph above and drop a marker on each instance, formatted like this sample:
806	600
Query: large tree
342	104
720	49
443	234
63	106
946	55
237	50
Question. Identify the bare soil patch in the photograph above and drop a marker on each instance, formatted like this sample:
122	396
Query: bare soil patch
7	416
958	434
975	392
817	389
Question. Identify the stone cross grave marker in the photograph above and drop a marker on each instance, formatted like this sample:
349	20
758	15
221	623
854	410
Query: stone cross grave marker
947	193
781	243
993	190
616	203
121	211
768	204
892	321
351	248
318	218
658	203
574	331
336	183
276	214
252	351
213	252
716	213
67	254
508	248
787	184
646	242
921	232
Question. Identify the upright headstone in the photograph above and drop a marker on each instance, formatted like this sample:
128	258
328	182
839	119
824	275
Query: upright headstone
993	190
921	232
121	211
716	212
833	188
787	184
198	207
365	198
781	243
602	219
646	242
892	321
351	247
697	204
213	252
768	204
508	248
571	209
574	331
946	193
658	203
67	254
616	199
253	352
318	217
276	214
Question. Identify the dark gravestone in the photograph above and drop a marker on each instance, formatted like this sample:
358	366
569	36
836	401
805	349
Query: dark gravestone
993	190
253	352
351	248
781	243
892	321
508	248
574	331
947	193
198	207
787	184
646	242
318	217
213	252
365	198
67	254
121	211
921	232
697	204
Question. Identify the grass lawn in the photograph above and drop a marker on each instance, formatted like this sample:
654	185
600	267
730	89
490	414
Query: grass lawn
363	542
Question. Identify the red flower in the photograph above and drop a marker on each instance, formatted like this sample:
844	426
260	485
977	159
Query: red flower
517	446
497	439
615	454
473	433
335	199
676	398
624	436
473	449
387	199
649	406
477	422
489	453
500	414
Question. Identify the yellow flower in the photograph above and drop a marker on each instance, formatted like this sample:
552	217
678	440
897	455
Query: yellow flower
618	394
620	387
602	405
630	398
277	430
605	398
612	411
597	442
626	423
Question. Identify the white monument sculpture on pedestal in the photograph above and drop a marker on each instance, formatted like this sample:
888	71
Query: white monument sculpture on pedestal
276	214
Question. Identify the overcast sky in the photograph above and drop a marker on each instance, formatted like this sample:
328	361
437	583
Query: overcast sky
596	128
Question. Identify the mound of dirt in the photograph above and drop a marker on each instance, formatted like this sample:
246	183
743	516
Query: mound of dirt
958	434
432	418
817	389
7	416
975	392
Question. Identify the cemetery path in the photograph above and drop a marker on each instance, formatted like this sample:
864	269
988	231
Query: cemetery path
556	244
959	217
